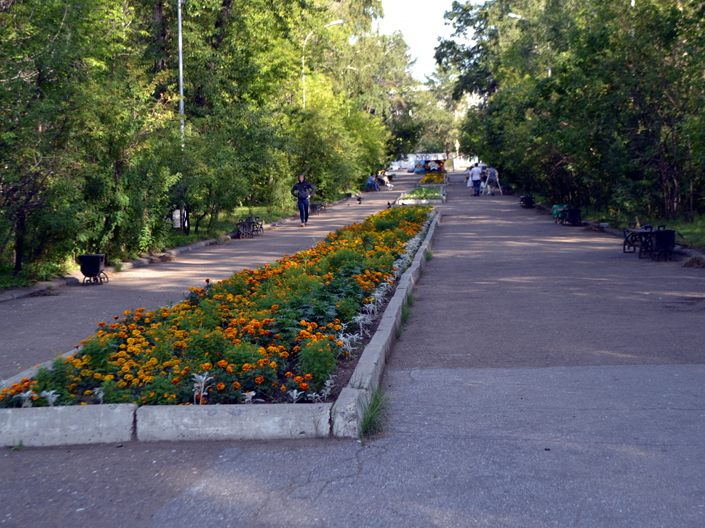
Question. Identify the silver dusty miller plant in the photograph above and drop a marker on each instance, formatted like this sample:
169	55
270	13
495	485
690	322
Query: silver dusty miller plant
200	387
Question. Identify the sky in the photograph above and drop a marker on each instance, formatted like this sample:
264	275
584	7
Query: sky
421	22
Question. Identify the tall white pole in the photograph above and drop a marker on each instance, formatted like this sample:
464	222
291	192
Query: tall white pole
181	73
303	70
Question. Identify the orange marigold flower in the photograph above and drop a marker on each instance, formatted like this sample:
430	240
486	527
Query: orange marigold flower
289	374
298	379
206	366
246	367
303	386
220	386
101	324
308	376
259	380
236	385
283	388
222	363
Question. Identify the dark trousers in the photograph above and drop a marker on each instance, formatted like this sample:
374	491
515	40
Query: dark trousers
476	186
303	210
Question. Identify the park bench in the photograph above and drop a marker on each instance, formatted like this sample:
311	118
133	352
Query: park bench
654	243
318	208
527	202
565	214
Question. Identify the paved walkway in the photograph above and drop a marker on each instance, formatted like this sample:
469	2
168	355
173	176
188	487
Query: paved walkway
544	379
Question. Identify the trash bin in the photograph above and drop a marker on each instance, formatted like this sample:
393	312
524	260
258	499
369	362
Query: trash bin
92	266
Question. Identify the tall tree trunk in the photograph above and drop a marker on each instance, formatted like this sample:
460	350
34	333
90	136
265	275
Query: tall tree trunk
20	232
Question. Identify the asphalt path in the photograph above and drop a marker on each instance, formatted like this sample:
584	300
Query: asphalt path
544	378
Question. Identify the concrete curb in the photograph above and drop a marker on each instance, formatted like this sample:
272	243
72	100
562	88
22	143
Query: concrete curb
349	410
67	425
92	424
233	422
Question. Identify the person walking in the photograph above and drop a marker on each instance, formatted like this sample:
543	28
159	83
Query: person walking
492	180
474	179
303	191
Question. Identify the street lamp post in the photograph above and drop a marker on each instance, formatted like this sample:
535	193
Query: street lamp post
181	71
303	60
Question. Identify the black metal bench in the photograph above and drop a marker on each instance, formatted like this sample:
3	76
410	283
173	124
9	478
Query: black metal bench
527	202
317	207
245	229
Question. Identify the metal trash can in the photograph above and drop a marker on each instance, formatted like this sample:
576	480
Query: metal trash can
664	244
92	266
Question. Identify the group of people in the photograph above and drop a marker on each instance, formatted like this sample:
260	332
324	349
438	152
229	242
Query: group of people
430	166
476	175
374	180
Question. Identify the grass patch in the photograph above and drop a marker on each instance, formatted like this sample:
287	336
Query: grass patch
405	314
373	414
694	233
429	255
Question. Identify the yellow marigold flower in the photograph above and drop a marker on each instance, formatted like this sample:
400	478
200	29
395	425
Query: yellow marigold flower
128	377
206	366
273	364
109	377
126	313
246	367
283	388
97	375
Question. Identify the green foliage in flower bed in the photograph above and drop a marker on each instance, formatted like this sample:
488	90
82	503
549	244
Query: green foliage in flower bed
423	193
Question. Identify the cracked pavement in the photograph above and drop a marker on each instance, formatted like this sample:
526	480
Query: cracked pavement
544	378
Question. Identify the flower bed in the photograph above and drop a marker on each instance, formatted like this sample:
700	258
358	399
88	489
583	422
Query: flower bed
424	193
432	178
274	333
430	194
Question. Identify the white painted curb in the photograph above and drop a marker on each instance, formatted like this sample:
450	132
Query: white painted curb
66	425
349	409
233	422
